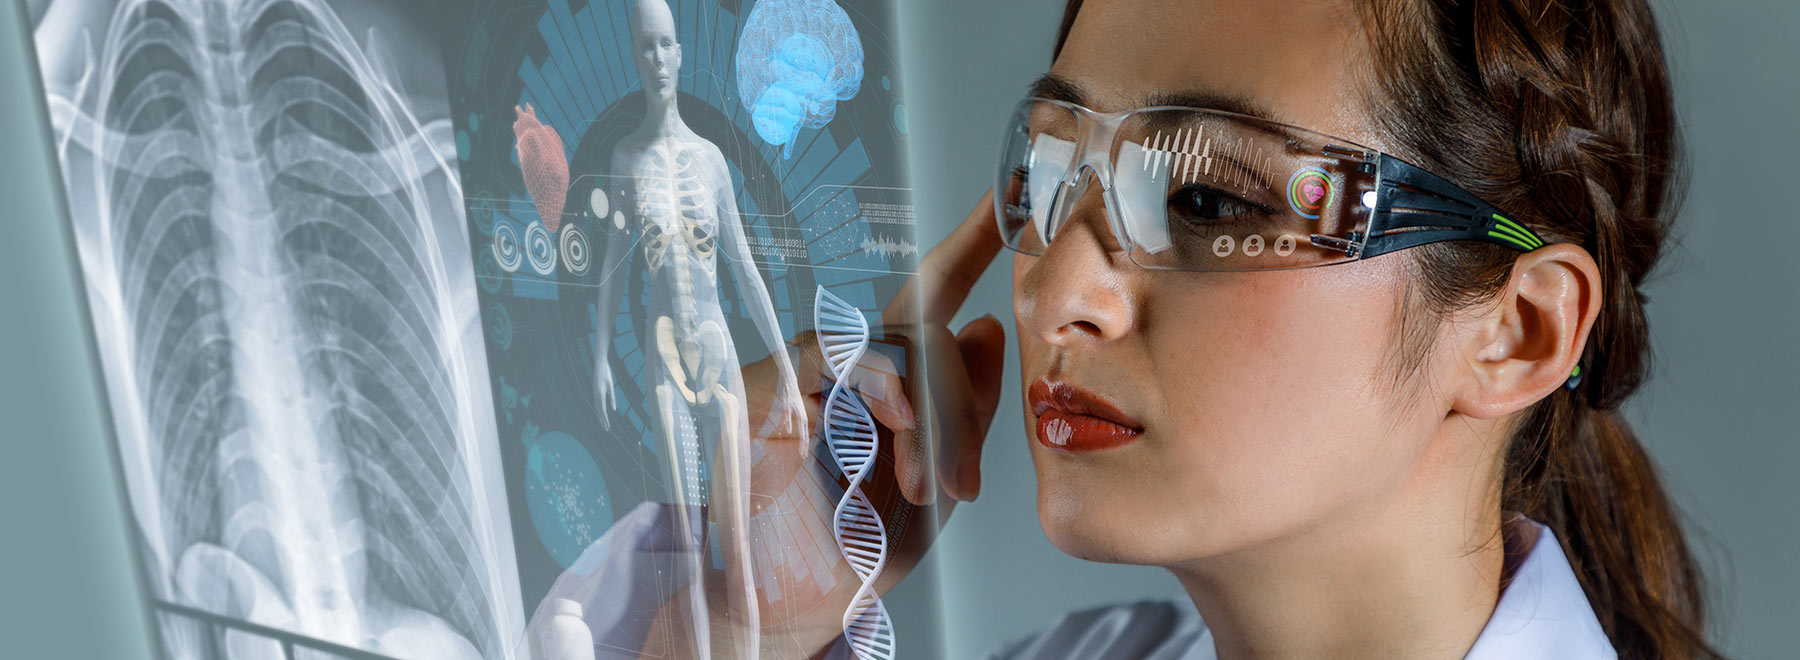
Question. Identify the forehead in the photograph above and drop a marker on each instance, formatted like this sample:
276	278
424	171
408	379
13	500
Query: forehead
1301	62
652	18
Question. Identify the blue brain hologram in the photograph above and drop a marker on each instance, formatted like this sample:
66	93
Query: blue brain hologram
796	60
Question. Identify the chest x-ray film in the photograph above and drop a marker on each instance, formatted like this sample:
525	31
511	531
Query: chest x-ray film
440	329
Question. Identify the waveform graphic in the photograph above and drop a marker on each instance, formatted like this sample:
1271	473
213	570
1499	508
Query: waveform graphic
850	433
889	248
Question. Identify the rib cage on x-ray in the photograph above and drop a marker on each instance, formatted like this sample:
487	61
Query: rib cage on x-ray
282	315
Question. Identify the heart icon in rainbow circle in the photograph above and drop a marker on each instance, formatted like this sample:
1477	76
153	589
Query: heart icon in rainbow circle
1313	191
1308	191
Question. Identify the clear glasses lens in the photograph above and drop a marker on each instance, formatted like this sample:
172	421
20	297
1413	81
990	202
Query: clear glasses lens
1189	189
1037	155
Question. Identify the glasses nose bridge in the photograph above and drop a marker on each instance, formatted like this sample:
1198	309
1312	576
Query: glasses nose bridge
1095	136
1075	190
1093	162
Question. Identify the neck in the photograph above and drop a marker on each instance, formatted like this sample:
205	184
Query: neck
663	119
1414	574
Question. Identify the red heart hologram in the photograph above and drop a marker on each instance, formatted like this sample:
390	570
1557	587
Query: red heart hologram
542	162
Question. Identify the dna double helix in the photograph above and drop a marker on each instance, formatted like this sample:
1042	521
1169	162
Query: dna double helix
850	433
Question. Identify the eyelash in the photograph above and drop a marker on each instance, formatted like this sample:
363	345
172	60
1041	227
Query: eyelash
1222	197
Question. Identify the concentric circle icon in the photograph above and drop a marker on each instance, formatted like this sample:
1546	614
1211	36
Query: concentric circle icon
540	248
499	326
574	249
488	273
507	250
481	209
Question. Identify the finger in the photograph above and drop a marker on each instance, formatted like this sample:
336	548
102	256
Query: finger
874	377
983	346
912	457
894	410
950	270
954	415
878	381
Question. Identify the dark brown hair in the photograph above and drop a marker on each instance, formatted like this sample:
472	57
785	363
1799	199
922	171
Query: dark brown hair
1560	112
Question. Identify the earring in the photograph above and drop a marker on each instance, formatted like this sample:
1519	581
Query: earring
1574	379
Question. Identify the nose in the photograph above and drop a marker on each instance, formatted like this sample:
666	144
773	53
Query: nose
1077	292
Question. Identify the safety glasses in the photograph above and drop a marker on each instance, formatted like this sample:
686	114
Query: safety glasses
1202	190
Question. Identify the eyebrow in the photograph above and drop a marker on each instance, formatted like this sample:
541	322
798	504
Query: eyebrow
1058	88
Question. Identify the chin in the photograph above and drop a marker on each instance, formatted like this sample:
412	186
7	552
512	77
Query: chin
1099	526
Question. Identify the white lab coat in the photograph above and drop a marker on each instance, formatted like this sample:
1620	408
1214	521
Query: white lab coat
625	576
1542	613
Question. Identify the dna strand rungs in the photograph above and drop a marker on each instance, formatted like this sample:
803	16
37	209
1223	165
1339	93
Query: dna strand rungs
850	433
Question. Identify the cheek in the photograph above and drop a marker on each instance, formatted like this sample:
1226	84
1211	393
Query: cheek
1278	410
1268	413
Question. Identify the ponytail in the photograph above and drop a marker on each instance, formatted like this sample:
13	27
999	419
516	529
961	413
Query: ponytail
1561	112
1582	472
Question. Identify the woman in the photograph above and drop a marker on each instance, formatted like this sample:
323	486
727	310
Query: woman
1384	427
1347	480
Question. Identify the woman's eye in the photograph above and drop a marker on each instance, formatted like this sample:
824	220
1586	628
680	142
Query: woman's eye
1199	203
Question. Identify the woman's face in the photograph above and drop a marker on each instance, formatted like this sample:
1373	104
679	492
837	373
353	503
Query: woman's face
1266	400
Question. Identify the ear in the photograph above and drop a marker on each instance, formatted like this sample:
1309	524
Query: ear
1524	346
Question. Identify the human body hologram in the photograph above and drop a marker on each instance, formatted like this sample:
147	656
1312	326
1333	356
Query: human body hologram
680	202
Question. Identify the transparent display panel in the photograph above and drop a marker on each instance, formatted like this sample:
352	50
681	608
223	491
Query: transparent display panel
495	328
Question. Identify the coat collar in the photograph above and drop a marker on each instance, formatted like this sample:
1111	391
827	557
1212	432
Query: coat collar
1542	613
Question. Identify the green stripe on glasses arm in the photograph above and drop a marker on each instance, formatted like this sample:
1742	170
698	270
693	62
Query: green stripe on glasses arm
1527	246
1529	236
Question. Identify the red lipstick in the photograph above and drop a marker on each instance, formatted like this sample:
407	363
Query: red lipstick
1073	419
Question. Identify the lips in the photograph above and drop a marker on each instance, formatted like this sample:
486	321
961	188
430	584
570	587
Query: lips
1073	419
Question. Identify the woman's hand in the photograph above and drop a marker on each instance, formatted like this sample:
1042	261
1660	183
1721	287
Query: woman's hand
790	501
